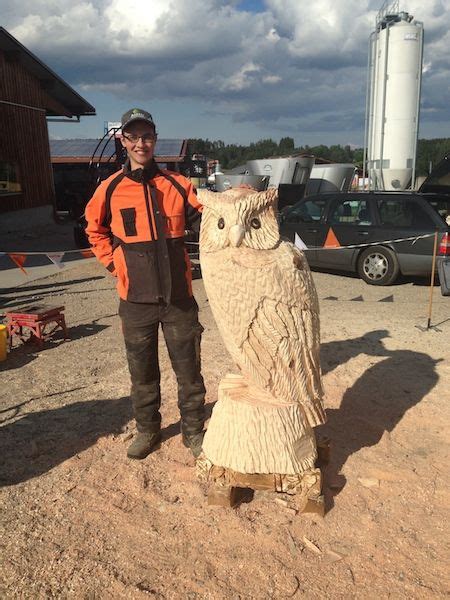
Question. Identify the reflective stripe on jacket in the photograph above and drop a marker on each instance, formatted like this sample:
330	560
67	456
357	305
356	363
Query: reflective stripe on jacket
135	224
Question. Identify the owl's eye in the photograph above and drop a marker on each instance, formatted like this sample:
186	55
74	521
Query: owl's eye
255	223
221	223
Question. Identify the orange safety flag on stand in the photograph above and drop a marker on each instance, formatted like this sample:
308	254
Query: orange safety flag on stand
331	240
19	260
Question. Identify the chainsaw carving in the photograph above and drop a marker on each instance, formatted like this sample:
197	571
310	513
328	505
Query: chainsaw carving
265	304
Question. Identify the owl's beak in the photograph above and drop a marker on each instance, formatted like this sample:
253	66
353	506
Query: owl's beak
236	235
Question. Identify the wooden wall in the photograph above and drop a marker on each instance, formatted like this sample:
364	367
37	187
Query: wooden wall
24	135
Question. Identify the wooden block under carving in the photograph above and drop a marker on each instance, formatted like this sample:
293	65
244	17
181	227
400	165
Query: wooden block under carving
220	495
254	481
315	505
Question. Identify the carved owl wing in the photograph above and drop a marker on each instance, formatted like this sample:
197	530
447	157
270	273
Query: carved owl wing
281	350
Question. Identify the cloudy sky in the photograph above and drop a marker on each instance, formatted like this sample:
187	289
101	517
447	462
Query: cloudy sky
238	71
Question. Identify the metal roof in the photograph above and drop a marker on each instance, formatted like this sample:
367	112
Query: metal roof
54	86
80	150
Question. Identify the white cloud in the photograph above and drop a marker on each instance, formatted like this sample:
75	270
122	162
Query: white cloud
65	25
271	79
272	35
299	65
242	78
323	27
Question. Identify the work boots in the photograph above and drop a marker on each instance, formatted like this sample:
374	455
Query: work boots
194	442
143	444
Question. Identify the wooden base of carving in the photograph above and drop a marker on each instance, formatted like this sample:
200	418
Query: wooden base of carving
225	482
220	495
305	489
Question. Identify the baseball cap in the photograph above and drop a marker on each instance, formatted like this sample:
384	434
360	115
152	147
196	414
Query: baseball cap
136	114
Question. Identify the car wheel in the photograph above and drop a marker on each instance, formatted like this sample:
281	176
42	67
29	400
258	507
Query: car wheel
378	265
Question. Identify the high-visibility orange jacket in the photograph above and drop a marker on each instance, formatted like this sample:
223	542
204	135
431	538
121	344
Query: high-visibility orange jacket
136	222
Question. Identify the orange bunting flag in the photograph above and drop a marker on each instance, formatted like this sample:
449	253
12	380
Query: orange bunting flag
87	253
19	260
331	240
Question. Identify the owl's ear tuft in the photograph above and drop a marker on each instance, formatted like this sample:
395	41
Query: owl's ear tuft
267	198
271	195
206	198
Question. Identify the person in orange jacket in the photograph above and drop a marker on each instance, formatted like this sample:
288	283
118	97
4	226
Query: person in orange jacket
136	222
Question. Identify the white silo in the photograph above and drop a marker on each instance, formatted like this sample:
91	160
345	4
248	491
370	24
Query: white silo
393	98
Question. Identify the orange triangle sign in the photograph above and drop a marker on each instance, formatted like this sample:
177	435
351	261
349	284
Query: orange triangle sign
19	260
331	240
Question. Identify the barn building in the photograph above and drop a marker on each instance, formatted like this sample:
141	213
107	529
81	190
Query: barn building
30	94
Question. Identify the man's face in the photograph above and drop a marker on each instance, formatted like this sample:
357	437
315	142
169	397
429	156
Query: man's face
140	152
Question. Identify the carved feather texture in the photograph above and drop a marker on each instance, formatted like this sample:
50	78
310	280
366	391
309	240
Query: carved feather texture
257	437
264	301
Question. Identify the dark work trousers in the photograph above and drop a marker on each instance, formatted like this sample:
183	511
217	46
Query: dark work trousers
182	332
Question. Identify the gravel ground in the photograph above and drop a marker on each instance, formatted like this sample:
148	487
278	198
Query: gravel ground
79	520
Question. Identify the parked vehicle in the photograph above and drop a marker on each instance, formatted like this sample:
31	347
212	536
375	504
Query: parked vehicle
366	218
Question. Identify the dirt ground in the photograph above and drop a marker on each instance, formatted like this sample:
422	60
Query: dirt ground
79	520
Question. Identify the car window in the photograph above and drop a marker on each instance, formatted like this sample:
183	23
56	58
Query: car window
351	211
307	211
442	207
403	213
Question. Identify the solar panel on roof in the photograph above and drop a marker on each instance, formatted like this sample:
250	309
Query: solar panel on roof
82	147
169	147
86	147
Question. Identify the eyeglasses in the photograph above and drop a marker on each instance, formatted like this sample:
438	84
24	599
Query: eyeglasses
148	139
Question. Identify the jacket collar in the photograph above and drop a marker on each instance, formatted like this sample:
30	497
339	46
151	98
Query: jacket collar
141	175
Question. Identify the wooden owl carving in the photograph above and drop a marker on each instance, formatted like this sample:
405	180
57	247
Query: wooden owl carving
263	298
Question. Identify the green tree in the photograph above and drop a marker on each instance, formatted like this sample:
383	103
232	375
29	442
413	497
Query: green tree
286	146
429	152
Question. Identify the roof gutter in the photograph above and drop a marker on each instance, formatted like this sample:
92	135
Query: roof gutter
23	106
57	120
49	119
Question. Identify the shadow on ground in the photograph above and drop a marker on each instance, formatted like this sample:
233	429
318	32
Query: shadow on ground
174	429
39	441
78	332
52	286
20	296
378	399
23	352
